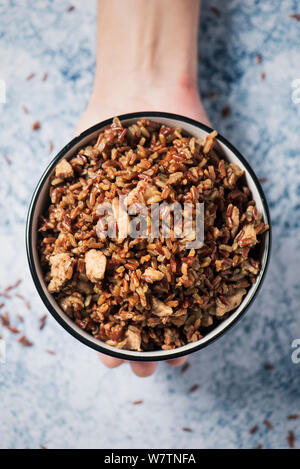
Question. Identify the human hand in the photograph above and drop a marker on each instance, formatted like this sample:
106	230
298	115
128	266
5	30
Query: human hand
179	98
140	69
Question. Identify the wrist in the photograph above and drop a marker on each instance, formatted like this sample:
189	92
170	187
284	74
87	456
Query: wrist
134	82
155	47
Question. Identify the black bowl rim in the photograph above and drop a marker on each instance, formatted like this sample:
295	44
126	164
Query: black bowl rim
28	235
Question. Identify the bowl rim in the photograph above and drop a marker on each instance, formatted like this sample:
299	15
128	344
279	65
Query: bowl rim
120	353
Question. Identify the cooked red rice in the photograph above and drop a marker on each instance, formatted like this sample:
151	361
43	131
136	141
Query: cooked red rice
147	294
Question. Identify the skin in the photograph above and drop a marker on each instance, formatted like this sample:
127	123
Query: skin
145	66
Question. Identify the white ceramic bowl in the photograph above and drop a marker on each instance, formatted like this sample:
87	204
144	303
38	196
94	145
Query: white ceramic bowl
40	200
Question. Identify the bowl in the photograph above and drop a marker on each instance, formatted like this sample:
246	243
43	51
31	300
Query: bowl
39	202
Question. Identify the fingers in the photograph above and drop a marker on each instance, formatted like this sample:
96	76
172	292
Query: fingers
110	362
139	369
176	361
143	369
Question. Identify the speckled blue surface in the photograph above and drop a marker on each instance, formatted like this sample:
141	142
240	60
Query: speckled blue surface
70	400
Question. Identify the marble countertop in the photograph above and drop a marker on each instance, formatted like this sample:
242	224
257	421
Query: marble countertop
69	400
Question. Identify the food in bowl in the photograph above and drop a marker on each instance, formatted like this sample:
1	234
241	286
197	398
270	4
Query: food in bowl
148	293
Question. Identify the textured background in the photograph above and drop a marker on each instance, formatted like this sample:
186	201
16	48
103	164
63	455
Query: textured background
69	400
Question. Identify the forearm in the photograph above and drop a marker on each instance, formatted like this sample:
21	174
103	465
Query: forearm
146	60
144	43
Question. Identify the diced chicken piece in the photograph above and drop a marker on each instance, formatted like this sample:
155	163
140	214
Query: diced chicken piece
175	177
152	194
152	275
95	265
235	217
134	339
137	194
248	236
160	309
251	213
250	268
233	301
61	271
64	170
71	303
238	172
143	193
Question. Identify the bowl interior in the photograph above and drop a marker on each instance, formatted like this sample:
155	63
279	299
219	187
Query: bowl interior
41	199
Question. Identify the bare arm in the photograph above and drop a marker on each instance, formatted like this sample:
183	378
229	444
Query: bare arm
146	59
146	44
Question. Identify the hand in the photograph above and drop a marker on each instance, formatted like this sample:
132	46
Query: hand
180	98
146	63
